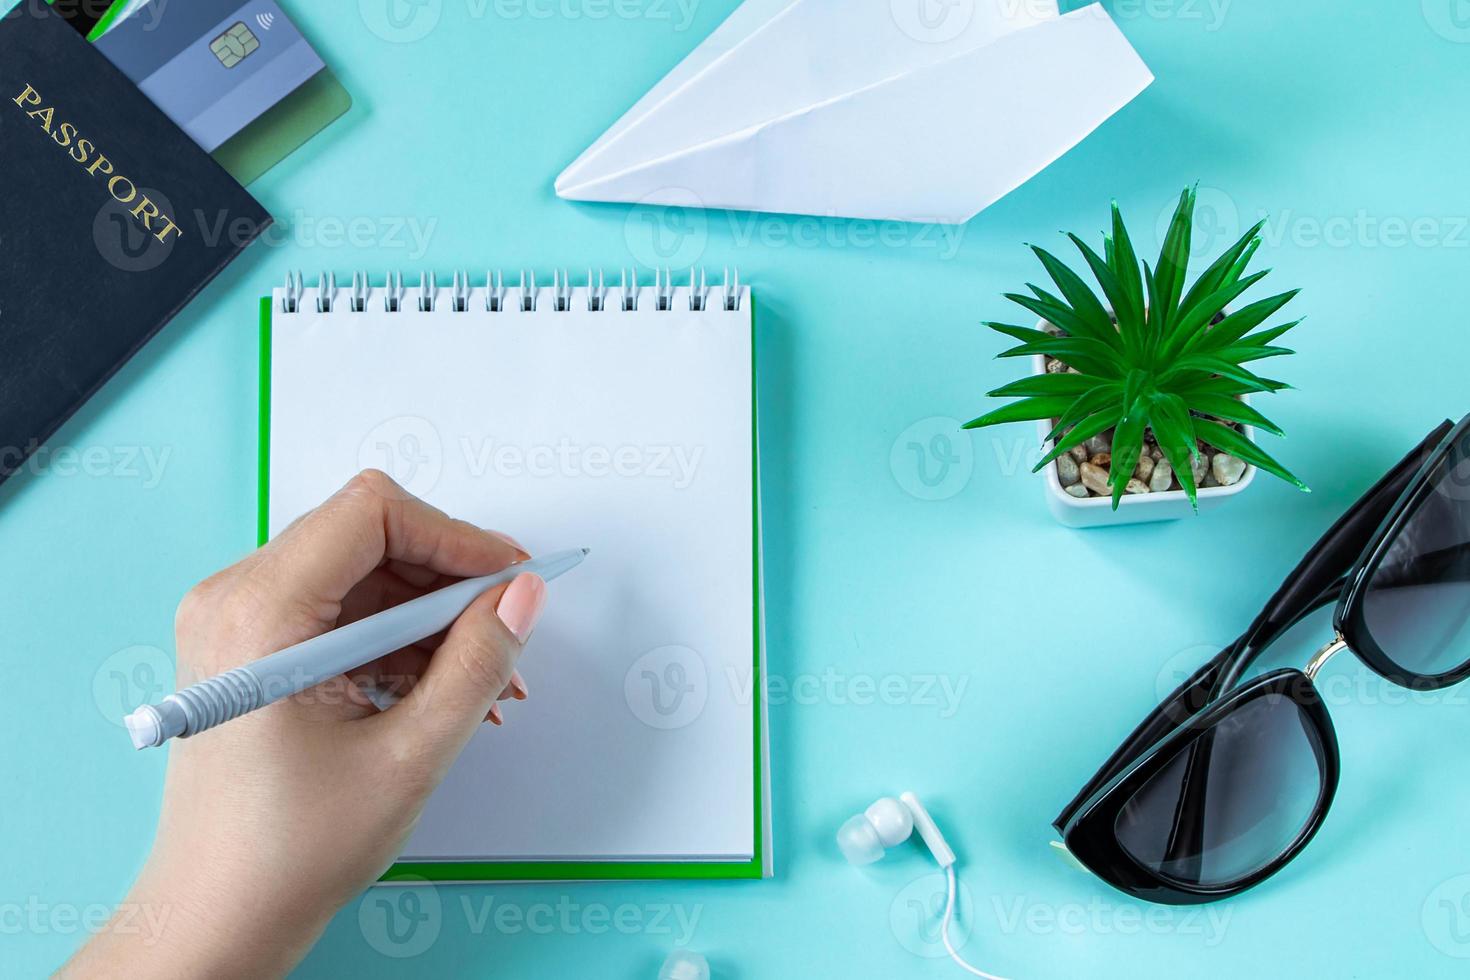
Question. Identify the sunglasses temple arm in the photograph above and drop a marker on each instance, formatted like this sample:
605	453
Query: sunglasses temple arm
1246	651
1189	698
1450	564
1184	850
1319	578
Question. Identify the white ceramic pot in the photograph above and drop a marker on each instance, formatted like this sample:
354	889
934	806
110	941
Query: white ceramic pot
1134	508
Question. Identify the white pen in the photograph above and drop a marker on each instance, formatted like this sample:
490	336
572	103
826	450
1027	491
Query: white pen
200	707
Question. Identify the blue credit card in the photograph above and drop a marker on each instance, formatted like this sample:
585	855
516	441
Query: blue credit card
212	66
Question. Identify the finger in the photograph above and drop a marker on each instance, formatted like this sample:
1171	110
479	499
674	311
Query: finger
517	688
394	674
389	679
383	589
317	561
415	575
380	590
473	666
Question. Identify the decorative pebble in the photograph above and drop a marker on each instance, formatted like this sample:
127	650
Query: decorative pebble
1199	466
1084	470
1095	478
1227	469
1163	476
1067	470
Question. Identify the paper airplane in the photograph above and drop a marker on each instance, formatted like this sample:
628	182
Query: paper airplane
843	109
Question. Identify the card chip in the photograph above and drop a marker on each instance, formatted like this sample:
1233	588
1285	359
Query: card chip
234	45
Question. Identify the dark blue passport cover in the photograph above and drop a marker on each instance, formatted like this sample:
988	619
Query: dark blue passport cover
111	220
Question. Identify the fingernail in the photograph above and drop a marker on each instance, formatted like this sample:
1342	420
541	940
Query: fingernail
495	716
518	685
520	607
510	541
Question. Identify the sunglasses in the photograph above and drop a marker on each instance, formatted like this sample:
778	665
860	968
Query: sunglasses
1228	779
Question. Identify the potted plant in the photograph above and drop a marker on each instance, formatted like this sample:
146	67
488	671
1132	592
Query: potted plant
1141	394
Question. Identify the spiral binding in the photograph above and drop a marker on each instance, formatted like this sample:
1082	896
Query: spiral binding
524	296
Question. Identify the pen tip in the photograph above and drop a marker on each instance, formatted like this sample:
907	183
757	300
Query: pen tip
586	551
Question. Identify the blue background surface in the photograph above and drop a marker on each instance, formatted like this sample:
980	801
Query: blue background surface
1343	121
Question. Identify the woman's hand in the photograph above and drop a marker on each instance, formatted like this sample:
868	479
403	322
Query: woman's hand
273	821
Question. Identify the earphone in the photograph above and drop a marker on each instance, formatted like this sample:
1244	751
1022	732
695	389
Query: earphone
864	837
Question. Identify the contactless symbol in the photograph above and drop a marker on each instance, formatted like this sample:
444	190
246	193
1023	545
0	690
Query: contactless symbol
235	45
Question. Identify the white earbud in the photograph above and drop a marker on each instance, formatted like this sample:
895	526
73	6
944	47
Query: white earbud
888	823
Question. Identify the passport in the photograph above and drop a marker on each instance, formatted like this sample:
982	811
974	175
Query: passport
111	220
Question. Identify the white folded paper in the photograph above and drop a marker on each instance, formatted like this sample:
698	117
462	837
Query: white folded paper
866	109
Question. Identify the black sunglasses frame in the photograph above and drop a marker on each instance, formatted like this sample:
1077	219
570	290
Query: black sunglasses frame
1339	567
1349	619
1093	840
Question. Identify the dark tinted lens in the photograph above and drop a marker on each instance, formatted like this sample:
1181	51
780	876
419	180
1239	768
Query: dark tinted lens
1232	801
1417	604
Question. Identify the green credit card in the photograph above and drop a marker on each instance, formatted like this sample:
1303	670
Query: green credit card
284	128
91	18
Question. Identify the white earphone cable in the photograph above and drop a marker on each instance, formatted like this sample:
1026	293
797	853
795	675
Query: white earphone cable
944	931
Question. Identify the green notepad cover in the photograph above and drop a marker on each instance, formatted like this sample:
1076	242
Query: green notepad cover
450	871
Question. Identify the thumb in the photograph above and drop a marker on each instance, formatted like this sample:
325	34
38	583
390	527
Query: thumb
471	667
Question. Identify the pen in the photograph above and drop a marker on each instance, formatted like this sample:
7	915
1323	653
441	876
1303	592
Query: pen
212	702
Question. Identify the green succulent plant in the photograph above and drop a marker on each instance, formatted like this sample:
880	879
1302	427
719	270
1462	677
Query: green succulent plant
1166	359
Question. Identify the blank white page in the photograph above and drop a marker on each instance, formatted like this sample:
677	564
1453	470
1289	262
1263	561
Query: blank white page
627	432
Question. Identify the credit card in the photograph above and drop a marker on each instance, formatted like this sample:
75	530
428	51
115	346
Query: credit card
213	66
285	128
247	74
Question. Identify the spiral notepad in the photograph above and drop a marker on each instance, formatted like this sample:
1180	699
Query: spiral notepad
616	416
